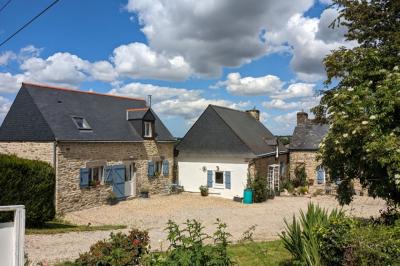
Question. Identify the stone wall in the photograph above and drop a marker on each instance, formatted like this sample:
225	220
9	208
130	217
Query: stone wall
42	151
309	159
73	156
259	166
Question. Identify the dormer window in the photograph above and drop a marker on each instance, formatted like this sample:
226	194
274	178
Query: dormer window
81	123
148	131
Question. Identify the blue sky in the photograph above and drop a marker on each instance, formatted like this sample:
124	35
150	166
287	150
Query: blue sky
187	54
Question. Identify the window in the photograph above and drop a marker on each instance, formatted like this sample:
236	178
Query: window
158	167
129	171
219	178
147	129
81	123
95	175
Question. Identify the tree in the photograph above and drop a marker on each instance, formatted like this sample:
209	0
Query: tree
362	105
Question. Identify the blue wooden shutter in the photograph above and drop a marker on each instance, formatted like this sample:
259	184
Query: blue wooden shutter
150	168
108	177
119	180
209	178
165	168
84	177
228	180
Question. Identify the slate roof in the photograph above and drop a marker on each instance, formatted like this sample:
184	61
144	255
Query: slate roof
308	136
41	113
227	132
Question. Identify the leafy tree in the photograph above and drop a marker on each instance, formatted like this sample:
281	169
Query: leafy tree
362	106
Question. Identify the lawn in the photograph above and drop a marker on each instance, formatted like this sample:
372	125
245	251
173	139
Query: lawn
61	227
260	253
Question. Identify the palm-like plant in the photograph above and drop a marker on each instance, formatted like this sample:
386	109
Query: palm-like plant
300	236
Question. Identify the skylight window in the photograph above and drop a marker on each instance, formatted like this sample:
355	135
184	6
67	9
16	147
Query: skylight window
81	123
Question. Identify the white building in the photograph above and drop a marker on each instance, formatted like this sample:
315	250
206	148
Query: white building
217	151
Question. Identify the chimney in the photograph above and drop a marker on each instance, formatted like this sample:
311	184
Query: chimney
254	113
302	118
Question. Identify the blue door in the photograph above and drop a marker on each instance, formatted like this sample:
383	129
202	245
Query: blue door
320	175
118	175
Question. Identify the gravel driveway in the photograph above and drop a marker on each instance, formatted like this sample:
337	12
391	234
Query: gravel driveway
153	214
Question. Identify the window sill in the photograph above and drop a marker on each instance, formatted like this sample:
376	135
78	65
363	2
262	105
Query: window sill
222	186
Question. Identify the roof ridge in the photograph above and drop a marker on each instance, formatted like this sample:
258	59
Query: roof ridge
224	107
79	91
138	109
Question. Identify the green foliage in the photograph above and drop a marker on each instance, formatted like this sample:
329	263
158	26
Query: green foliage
300	174
345	192
30	183
304	237
363	105
120	249
375	245
203	190
303	190
288	185
259	187
188	247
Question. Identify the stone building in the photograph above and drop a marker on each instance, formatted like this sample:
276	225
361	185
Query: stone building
97	143
303	149
224	147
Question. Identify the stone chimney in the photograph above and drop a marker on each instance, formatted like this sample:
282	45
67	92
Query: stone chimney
254	113
302	118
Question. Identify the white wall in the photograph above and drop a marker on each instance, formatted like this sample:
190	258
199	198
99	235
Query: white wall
191	177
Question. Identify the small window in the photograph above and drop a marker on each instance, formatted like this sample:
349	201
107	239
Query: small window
158	167
81	123
95	176
219	178
147	129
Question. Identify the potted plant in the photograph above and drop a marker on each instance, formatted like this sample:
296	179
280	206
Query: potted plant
204	191
112	199
311	181
144	192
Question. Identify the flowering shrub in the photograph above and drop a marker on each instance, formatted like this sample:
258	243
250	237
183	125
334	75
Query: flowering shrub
120	249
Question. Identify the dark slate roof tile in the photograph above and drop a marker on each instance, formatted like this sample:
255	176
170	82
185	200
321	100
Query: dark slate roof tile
308	136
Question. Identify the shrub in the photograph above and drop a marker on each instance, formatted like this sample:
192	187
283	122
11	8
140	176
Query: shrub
120	249
303	237
288	185
303	190
203	191
375	244
300	174
30	183
390	215
187	246
259	187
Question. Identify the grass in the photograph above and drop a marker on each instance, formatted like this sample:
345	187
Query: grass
260	253
61	227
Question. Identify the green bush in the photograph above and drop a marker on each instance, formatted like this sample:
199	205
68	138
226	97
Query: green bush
30	183
187	246
288	185
375	245
306	238
120	249
259	187
300	174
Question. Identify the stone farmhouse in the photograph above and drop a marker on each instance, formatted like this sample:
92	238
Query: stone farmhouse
303	149
224	147
97	143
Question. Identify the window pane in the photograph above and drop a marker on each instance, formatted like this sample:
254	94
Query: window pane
219	177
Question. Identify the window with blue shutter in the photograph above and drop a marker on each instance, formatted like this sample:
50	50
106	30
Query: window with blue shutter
84	177
165	168
209	178
150	168
228	180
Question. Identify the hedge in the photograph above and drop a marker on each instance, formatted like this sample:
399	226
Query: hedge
30	183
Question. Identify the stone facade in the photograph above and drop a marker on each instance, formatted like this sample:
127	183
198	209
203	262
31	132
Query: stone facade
43	151
259	166
309	159
73	156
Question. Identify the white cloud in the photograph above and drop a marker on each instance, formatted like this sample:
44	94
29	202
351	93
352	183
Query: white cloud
303	104
137	60
5	57
212	34
295	90
251	86
174	102
10	83
103	71
5	105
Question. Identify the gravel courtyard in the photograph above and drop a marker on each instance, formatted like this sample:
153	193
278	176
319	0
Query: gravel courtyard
153	214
